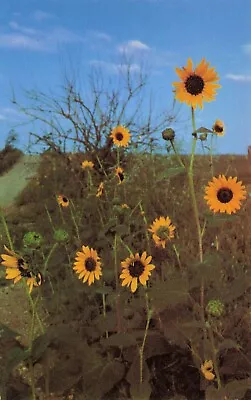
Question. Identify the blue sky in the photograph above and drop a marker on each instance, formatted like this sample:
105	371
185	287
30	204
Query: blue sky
38	40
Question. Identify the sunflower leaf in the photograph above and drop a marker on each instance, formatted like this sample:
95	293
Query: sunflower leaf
170	173
110	374
202	129
143	391
216	220
119	340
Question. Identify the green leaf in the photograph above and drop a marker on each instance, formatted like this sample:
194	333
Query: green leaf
202	129
104	290
228	344
110	375
169	293
139	391
15	356
7	333
217	220
119	340
171	172
40	345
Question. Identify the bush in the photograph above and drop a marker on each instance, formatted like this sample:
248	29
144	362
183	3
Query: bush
8	157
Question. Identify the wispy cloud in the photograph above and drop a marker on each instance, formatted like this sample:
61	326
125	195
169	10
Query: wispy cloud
239	78
115	68
22	37
247	48
99	35
10	114
133	46
40	15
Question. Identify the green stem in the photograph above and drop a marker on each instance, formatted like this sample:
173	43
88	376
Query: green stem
6	230
117	285
75	223
215	363
104	312
177	154
49	217
146	224
211	156
141	350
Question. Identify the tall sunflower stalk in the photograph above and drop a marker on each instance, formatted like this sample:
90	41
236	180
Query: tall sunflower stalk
195	87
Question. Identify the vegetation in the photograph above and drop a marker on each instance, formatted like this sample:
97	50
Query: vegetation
9	155
137	272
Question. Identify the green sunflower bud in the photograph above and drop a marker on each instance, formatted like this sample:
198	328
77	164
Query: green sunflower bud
203	137
60	235
32	239
168	134
215	308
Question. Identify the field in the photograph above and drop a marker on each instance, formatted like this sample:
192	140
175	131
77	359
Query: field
72	340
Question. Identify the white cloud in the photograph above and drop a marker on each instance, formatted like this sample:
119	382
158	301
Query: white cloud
36	40
39	15
10	114
247	48
239	78
115	68
132	46
99	35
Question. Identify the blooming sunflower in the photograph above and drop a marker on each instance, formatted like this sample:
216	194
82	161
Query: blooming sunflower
162	230
207	370
63	201
196	85
134	268
119	172
17	268
100	190
225	194
87	265
87	164
120	136
218	128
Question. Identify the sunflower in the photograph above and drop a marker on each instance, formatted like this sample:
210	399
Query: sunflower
134	268
162	230
225	194
207	370
87	164
87	265
100	190
119	172
120	136
17	268
218	128
63	201
124	205
196	85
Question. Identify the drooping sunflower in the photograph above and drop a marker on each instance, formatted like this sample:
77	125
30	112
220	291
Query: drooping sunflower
100	190
225	194
17	268
218	128
87	164
87	265
162	230
207	370
63	200
136	268
119	172
120	136
196	85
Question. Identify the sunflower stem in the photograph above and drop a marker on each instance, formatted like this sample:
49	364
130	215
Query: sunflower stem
146	224
197	221
6	230
178	258
177	154
215	363
101	166
141	349
211	156
117	285
75	223
49	217
104	311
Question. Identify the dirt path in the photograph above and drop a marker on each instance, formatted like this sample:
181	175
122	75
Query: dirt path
14	181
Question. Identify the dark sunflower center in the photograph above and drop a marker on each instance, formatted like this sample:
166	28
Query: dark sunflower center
136	269
163	232
218	128
20	263
121	176
224	195
90	264
194	85
119	136
65	199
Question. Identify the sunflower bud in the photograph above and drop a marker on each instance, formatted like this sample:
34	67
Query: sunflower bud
203	137
168	134
60	235
32	239
215	308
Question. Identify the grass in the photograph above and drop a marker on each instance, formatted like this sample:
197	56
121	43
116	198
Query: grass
102	341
